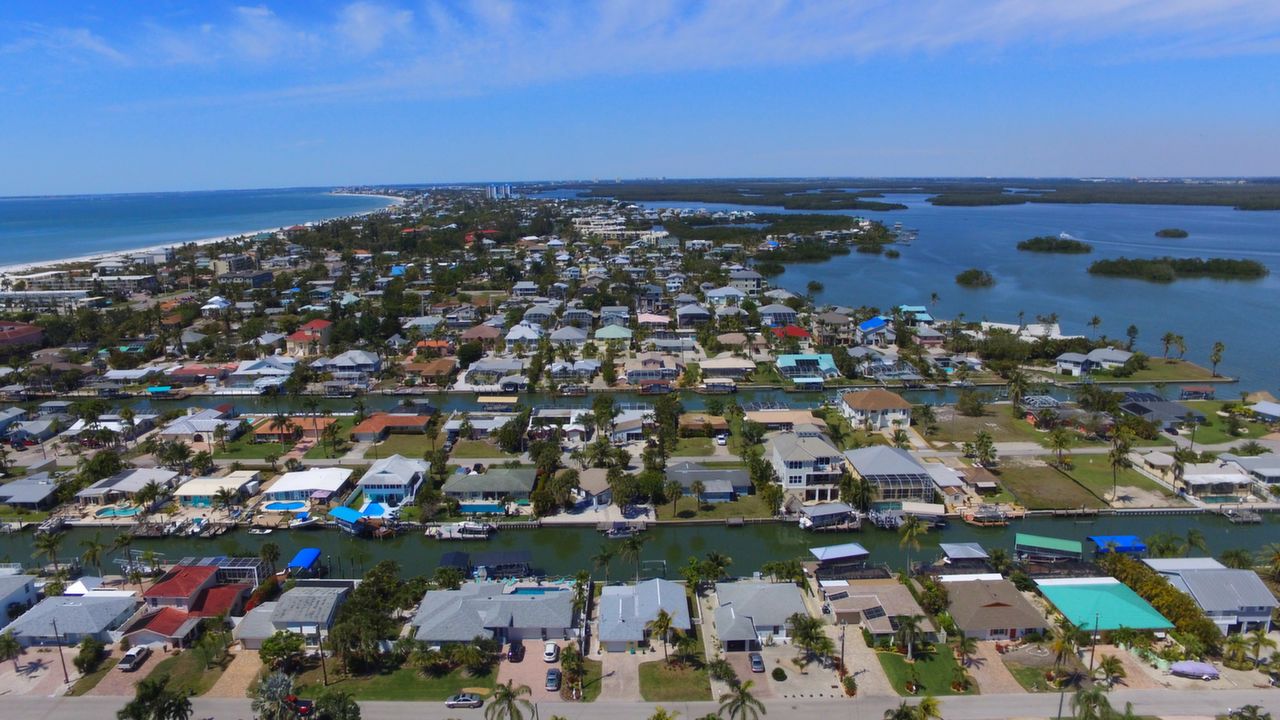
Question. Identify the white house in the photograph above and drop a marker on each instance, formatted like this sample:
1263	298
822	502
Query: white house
875	408
303	484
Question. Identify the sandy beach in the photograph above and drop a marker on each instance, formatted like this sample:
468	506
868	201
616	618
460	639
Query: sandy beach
28	267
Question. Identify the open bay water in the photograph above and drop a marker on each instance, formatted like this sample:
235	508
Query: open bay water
1243	314
56	227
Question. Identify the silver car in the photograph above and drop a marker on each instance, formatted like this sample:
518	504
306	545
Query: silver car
464	700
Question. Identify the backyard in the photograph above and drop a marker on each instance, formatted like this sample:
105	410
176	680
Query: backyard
687	508
322	450
244	448
1094	472
1040	487
1214	430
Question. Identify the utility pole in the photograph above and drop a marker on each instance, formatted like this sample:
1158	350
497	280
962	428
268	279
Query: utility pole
58	638
323	669
1093	648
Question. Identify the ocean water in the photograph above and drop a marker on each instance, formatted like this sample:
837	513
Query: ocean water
1241	314
50	228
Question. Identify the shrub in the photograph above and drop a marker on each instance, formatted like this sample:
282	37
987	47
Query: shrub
90	656
850	685
779	674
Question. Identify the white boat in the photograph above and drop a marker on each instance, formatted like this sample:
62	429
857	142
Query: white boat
259	531
305	522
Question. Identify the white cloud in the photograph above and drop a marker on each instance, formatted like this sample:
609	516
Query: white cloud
365	26
74	43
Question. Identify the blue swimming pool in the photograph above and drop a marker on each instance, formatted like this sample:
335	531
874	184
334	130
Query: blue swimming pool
292	506
535	591
482	507
117	512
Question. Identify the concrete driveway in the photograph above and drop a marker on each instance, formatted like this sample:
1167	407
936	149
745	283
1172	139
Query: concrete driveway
118	683
38	673
531	671
620	676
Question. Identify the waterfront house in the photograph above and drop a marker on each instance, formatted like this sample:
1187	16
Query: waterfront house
436	371
1081	364
486	335
777	315
992	610
892	472
161	626
125	484
1101	603
613	333
839	560
1044	549
751	614
352	365
378	426
625	612
807	465
308	610
17	594
494	610
1165	415
727	365
749	282
719	484
33	492
1237	601
1266	411
1263	468
727	296
490	370
569	336
1216	479
876	331
809	370
307	427
652	366
307	484
200	492
197	591
77	618
692	315
393	480
498	483
874	604
309	338
875	408
198	427
523	336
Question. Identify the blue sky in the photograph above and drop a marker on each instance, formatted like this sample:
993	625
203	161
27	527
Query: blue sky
145	96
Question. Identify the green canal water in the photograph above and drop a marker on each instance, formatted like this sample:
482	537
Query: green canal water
564	551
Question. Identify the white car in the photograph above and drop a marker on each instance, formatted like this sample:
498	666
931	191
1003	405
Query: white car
133	659
551	652
722	439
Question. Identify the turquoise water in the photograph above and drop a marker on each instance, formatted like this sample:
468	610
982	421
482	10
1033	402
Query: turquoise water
482	508
49	228
535	591
117	512
285	506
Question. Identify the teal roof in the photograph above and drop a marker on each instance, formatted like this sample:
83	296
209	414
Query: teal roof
825	362
613	332
1048	543
1108	600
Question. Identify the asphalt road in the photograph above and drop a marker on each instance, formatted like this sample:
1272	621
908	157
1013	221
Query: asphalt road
1162	703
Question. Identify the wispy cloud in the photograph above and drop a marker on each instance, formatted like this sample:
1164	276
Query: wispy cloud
440	48
73	44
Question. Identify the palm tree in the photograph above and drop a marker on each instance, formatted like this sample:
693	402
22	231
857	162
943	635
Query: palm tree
272	698
910	631
631	548
1235	649
966	647
740	704
1090	704
601	560
269	553
1270	556
1258	641
10	648
48	545
1095	322
1017	387
220	436
1111	669
1215	357
1060	440
94	549
1063	646
928	708
1000	561
281	423
909	534
660	625
1195	540
673	490
698	488
508	702
225	498
1117	458
903	711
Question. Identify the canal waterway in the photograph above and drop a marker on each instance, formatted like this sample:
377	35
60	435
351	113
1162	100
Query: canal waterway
567	550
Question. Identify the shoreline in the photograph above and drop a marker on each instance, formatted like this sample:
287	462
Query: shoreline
55	263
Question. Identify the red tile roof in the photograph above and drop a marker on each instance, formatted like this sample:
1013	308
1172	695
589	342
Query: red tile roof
219	600
181	582
317	324
790	331
166	621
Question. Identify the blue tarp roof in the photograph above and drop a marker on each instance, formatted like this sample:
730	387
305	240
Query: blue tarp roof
1121	543
305	559
346	514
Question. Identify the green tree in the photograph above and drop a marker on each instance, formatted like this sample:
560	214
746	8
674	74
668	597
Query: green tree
1215	356
740	704
334	704
660	626
10	648
153	700
271	698
47	546
1110	670
281	649
508	702
1118	459
909	534
269	553
1090	704
909	633
601	560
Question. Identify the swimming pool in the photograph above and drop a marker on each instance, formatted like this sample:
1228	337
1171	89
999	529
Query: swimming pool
117	512
535	591
292	506
482	507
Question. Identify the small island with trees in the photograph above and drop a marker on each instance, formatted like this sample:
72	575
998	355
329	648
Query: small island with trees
1051	244
1168	269
975	278
1172	233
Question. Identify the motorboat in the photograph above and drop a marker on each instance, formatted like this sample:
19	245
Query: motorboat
259	531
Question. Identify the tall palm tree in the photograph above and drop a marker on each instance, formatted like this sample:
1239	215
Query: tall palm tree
225	498
673	491
1118	458
94	549
1060	440
966	647
269	553
698	488
1090	704
1195	541
1235	648
740	704
1111	669
508	702
1258	641
601	559
1063	645
272	698
632	548
10	648
910	631
660	625
909	534
48	545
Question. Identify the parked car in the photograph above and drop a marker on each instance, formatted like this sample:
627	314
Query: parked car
515	653
757	662
463	700
551	652
134	659
722	439
553	680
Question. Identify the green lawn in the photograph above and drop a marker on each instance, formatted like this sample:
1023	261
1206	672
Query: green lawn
660	682
244	448
1214	430
1030	678
465	449
935	670
13	514
1044	488
845	436
187	673
396	684
90	681
591	680
1166	370
408	445
998	421
748	506
321	450
694	447
1094	472
767	373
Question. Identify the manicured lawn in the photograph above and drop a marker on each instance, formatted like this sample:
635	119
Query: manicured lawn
847	437
408	445
244	448
1030	678
90	681
322	451
1094	472
187	673
13	514
694	447
998	422
1214	430
935	672
748	506
660	682
397	684
1044	488
1167	370
591	680
767	373
464	449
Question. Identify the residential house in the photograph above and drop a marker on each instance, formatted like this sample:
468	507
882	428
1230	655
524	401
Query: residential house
393	480
692	315
625	612
647	367
875	408
749	282
751	614
378	426
569	336
125	484
352	365
201	491
17	594
77	618
1166	415
523	336
493	610
777	315
33	492
313	483
727	365
260	374
1263	468
196	590
808	370
718	484
310	338
613	333
307	427
497	483
1081	364
892	472
1215	479
874	604
726	296
490	370
308	610
833	328
1237	601
483	424
540	315
876	331
807	464
199	428
525	289
993	610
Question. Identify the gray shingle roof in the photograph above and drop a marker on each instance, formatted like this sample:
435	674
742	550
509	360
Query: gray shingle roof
479	608
750	604
1226	590
75	616
308	605
496	480
626	609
